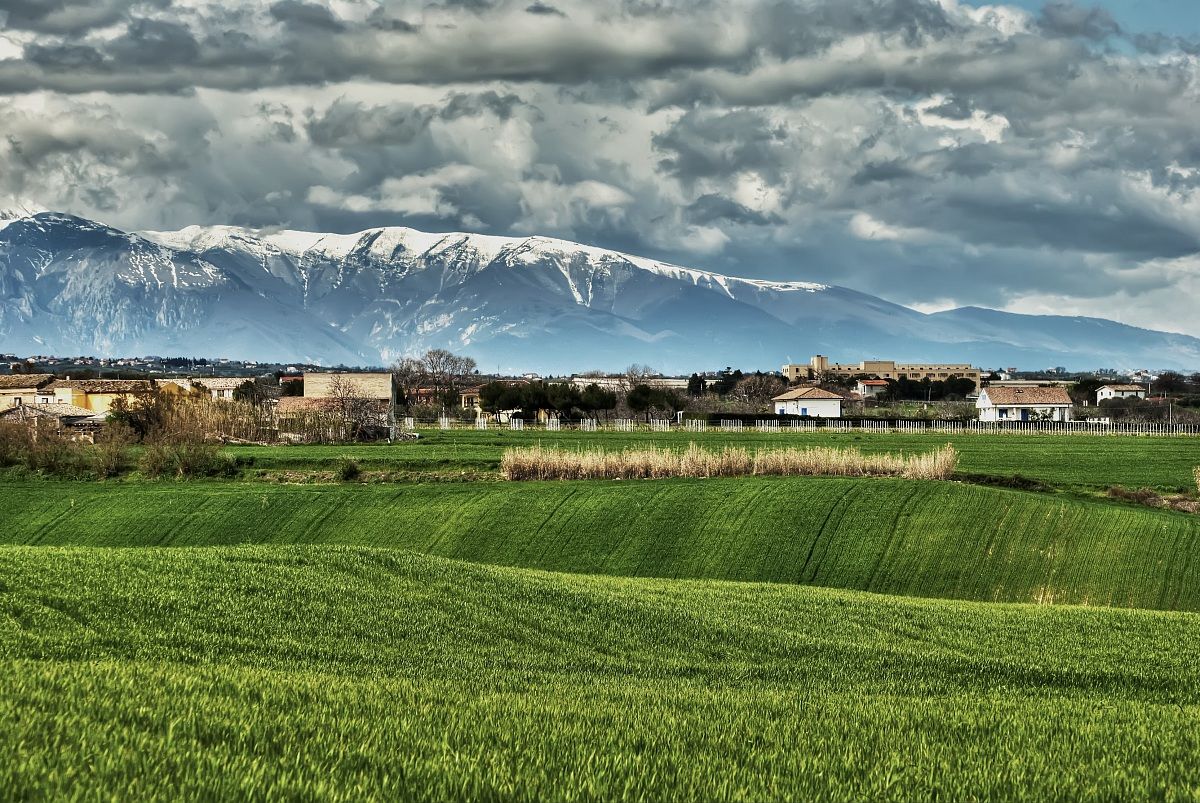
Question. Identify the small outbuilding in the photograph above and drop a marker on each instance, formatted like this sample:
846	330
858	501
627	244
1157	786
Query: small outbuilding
870	388
809	401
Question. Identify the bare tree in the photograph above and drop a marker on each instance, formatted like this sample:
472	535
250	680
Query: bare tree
446	372
759	389
352	406
409	375
637	374
441	371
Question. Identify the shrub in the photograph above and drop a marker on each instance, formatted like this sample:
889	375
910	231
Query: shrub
110	455
540	463
1142	496
348	469
13	438
50	450
176	458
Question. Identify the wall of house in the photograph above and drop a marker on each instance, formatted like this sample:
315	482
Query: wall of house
817	408
96	402
370	386
1036	413
14	396
1103	394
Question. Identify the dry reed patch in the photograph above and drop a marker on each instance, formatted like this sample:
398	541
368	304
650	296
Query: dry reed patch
553	463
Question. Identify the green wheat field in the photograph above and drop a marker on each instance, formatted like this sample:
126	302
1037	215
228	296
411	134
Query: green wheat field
430	632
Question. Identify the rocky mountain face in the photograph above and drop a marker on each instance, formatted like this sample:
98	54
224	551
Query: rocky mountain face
74	286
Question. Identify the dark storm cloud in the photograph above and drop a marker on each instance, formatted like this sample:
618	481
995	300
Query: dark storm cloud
347	123
306	15
714	208
543	8
1067	18
151	42
704	143
906	147
68	16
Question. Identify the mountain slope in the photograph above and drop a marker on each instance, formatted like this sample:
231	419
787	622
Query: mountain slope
69	285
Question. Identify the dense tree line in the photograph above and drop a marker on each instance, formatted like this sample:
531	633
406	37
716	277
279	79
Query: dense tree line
528	399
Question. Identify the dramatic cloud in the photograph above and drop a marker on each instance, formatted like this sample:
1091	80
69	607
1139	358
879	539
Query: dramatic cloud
934	152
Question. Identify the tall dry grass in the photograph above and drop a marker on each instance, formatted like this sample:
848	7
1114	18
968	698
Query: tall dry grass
1196	474
552	463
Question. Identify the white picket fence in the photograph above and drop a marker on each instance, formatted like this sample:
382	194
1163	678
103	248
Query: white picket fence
835	425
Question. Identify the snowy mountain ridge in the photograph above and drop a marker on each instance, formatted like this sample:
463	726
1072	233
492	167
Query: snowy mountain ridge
73	286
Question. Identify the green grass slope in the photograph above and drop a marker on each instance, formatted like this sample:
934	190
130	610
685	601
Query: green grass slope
1069	461
339	673
891	536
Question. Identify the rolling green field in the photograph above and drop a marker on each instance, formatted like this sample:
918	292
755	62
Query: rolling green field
353	673
933	539
434	633
1067	461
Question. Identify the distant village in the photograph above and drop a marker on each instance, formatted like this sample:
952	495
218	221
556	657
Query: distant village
81	393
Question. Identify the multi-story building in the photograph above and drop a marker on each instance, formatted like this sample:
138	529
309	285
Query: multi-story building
820	368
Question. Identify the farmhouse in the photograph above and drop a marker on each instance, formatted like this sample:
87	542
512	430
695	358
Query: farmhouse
809	400
820	368
97	395
75	420
870	388
22	388
219	387
469	399
1024	404
1120	392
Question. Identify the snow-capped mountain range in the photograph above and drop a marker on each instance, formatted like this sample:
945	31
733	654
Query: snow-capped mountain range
75	286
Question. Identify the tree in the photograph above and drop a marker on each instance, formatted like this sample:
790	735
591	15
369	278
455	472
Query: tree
350	404
1084	391
644	398
695	386
1170	382
408	373
253	392
727	380
760	388
595	398
443	372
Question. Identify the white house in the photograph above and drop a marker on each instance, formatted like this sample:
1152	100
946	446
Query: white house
809	400
870	388
1024	404
1120	392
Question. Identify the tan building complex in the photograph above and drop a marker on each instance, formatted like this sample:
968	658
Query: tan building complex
819	367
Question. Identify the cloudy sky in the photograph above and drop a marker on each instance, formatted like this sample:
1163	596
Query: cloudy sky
1032	156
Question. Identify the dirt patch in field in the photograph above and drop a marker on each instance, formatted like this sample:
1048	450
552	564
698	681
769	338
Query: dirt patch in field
1149	497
